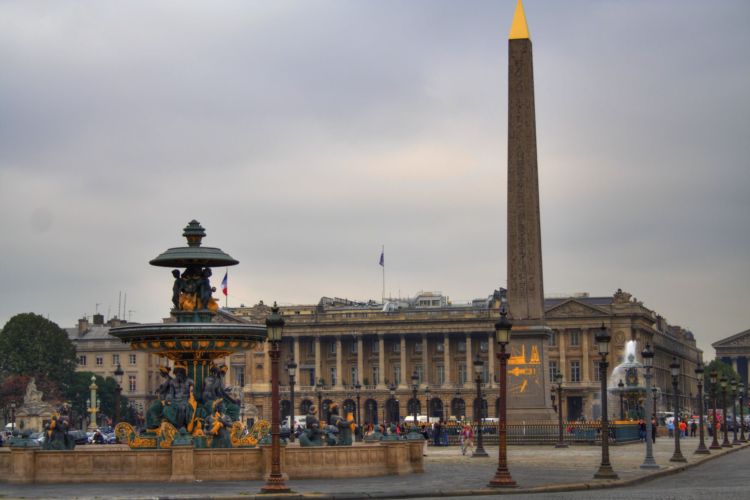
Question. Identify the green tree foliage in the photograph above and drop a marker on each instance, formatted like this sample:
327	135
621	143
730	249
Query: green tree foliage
34	346
12	389
722	369
79	392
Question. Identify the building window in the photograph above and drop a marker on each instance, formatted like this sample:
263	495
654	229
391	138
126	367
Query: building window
132	358
115	359
552	341
461	346
397	374
332	347
553	369
420	372
312	348
462	373
376	346
239	375
397	347
597	374
333	376
99	360
355	375
483	346
575	339
439	347
353	349
575	371
131	383
418	348
485	373
82	360
440	372
375	375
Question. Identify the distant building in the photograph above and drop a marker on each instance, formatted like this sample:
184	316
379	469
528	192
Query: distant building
99	352
340	342
735	351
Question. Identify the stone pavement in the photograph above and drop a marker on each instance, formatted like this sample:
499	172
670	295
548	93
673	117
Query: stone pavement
539	468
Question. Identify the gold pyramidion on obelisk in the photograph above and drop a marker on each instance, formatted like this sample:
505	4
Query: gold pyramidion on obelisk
519	28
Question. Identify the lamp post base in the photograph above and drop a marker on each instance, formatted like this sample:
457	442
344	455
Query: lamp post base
606	472
702	450
561	445
650	465
502	479
677	457
479	453
275	485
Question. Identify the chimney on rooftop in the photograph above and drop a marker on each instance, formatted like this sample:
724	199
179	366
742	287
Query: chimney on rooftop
83	325
98	319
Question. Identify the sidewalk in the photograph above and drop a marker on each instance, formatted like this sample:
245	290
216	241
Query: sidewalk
447	472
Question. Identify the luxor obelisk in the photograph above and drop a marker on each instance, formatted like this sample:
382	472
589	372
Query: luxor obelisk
528	395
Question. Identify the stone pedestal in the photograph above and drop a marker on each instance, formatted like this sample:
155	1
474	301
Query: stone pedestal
21	465
183	465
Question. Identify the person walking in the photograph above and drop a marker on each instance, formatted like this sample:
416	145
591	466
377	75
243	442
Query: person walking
467	439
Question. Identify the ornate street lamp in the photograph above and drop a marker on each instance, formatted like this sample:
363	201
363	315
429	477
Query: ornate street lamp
715	442
733	385
603	338
674	369
647	355
319	392
723	383
414	388
621	386
118	390
357	391
741	388
552	397
392	411
478	409
559	387
702	450
427	402
502	478
291	369
92	404
13	417
275	481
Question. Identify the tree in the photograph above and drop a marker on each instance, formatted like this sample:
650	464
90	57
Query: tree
722	369
34	346
12	390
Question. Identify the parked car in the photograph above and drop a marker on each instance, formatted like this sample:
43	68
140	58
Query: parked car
80	437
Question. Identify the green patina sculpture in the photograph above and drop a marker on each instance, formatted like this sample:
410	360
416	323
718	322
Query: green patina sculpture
312	435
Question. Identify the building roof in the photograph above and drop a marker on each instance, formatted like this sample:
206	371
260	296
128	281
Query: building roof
731	341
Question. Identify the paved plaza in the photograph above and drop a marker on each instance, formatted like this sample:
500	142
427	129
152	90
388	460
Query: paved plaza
539	469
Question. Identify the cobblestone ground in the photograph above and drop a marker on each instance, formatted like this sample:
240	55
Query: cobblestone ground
446	470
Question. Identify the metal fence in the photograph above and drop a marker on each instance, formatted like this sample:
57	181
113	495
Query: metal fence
541	433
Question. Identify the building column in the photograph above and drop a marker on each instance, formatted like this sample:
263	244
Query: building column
469	363
734	366
447	359
360	358
381	360
339	359
425	359
586	339
405	374
561	346
318	368
295	349
491	360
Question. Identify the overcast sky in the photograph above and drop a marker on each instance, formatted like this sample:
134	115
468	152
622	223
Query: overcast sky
304	135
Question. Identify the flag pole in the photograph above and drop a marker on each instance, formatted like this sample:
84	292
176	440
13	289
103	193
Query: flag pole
226	297
382	257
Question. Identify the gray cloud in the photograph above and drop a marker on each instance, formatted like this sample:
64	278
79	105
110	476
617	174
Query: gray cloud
304	135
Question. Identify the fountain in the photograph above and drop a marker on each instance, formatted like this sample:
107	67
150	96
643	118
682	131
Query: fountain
631	392
193	406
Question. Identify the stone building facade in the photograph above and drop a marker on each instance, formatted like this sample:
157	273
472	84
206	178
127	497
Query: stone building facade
337	343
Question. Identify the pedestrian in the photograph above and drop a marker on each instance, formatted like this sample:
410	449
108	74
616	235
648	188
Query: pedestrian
693	428
670	428
683	428
642	430
436	432
653	430
467	439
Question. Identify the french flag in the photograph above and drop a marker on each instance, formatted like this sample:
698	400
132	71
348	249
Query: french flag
224	286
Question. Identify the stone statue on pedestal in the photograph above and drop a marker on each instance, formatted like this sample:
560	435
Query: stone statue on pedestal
311	436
